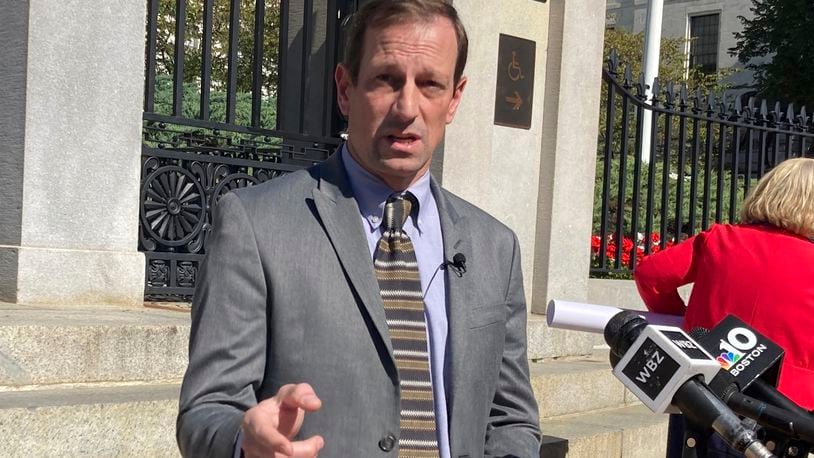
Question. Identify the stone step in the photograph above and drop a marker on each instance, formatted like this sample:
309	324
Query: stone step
52	345
545	342
625	432
136	420
573	386
139	420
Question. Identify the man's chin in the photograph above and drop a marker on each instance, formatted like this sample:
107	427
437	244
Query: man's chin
402	171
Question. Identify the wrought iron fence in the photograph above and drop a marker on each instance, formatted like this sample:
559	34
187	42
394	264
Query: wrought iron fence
217	117
184	174
705	152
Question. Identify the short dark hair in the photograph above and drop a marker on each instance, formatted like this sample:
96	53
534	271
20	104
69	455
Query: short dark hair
383	13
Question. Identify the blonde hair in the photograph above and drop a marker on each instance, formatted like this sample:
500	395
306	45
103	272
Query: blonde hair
784	197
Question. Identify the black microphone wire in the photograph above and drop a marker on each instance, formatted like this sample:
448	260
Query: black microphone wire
423	296
444	265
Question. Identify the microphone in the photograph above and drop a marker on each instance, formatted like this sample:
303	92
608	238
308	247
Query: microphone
743	353
664	366
748	361
578	316
458	264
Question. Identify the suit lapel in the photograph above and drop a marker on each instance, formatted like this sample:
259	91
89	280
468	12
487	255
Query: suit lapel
339	213
460	290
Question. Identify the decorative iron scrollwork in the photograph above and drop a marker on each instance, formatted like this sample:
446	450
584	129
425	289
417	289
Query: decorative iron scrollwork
186	273
157	273
184	173
231	182
172	205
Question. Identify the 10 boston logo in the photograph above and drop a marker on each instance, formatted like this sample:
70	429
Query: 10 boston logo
739	350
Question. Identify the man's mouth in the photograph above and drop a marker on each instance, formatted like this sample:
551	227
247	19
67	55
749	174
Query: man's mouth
406	139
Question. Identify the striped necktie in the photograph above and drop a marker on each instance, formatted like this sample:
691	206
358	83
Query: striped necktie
400	285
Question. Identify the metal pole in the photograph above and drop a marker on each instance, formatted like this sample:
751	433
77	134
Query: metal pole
650	66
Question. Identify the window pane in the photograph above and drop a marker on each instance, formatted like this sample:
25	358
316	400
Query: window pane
704	44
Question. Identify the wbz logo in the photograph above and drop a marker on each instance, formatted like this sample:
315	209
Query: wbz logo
650	366
738	350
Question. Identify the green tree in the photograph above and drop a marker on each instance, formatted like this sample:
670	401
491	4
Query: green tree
193	39
779	38
672	60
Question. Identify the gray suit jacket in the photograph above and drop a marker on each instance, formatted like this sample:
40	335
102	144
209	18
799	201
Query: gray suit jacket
288	294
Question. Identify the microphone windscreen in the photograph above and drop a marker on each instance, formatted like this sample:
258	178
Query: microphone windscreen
698	333
459	259
618	332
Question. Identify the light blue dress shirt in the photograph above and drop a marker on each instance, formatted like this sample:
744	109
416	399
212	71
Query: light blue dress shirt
424	230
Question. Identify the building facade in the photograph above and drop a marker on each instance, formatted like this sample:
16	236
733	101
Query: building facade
709	26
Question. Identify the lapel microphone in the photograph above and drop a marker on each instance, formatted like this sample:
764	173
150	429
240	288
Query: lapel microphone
458	264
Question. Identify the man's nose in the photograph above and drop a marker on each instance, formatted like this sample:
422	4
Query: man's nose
405	106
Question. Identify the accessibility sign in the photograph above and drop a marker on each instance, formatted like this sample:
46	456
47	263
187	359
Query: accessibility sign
515	82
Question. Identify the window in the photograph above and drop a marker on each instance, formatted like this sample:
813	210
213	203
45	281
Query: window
704	42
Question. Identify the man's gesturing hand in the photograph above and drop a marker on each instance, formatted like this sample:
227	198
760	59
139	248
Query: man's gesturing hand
269	426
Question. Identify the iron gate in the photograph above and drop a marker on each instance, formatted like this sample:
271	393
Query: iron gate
225	108
705	152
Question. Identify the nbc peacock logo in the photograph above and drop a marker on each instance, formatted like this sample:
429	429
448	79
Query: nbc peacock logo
728	359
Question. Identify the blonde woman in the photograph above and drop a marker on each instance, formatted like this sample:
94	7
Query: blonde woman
761	271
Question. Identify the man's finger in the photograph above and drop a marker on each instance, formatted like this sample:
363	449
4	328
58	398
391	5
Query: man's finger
300	396
308	448
294	402
264	437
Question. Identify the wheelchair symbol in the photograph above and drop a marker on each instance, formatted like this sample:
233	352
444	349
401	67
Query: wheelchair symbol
515	72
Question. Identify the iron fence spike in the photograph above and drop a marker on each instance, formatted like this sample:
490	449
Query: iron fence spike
641	88
628	81
655	91
613	61
669	94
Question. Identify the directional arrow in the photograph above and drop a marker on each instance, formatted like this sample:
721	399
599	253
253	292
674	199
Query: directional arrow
515	100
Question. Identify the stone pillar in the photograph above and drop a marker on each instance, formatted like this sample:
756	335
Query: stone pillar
72	88
496	167
567	169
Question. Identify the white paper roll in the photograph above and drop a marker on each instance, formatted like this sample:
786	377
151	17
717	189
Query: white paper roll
579	316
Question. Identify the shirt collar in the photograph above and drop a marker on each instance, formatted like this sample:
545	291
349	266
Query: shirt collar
371	193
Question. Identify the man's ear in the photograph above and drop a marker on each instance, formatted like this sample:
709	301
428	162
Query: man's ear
343	86
456	99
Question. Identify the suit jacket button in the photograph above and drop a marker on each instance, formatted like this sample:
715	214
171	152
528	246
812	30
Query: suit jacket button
387	443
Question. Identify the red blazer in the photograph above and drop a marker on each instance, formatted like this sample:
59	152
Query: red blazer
761	274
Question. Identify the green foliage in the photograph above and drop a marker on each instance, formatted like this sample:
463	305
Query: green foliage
165	43
658	185
672	61
171	134
217	104
781	30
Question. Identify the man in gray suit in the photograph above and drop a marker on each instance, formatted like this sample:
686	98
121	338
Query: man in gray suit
293	349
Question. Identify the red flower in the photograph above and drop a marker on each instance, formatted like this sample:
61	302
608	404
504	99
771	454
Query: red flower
610	252
629	248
